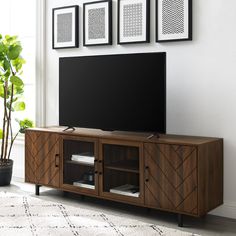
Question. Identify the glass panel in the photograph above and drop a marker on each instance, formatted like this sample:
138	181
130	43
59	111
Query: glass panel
79	163
79	175
121	170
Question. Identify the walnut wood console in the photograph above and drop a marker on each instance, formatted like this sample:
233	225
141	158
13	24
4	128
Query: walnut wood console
175	173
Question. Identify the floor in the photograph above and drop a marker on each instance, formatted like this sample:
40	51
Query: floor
209	225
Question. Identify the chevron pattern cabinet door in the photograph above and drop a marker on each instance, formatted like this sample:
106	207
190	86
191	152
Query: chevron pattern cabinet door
42	158
171	177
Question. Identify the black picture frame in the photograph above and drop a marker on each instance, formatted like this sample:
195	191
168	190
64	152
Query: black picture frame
106	16
67	35
145	37
185	34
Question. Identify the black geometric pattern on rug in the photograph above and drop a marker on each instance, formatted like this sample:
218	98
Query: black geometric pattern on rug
31	216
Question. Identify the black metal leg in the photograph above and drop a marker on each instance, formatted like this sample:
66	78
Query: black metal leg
180	220
148	210
37	189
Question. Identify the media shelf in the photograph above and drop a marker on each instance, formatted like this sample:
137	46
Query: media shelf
181	174
127	166
121	169
79	163
126	190
122	158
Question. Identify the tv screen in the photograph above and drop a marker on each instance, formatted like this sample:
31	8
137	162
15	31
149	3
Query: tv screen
125	92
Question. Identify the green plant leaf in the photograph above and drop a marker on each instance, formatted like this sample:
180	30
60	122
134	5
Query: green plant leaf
18	63
18	90
1	90
14	51
2	48
7	74
14	99
16	81
6	64
24	124
8	107
2	57
10	39
19	106
11	85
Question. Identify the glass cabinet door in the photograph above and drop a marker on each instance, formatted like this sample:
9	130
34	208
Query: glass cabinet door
122	170
80	164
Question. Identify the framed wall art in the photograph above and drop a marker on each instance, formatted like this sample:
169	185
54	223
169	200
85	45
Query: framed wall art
133	21
65	27
173	20
97	23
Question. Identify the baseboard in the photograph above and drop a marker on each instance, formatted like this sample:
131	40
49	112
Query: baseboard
18	179
228	209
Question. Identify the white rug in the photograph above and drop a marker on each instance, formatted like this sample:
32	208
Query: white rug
29	216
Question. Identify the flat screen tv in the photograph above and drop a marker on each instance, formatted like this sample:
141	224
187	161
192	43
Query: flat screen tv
125	92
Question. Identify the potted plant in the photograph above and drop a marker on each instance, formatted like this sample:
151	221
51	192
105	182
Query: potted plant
11	91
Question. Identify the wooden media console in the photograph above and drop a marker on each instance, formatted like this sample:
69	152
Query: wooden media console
175	173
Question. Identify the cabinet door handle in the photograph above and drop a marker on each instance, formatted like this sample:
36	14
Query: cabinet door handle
146	173
100	167
57	160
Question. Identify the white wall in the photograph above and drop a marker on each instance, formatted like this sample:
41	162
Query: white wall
18	156
201	78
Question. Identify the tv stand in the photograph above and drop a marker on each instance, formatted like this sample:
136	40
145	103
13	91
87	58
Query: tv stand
175	173
69	128
156	135
37	189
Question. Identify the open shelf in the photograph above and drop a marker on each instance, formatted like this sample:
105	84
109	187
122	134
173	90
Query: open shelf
121	165
78	163
114	178
127	166
127	190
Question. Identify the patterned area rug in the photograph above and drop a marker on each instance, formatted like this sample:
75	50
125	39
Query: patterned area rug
29	216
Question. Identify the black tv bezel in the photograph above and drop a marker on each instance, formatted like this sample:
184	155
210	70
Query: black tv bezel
163	131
